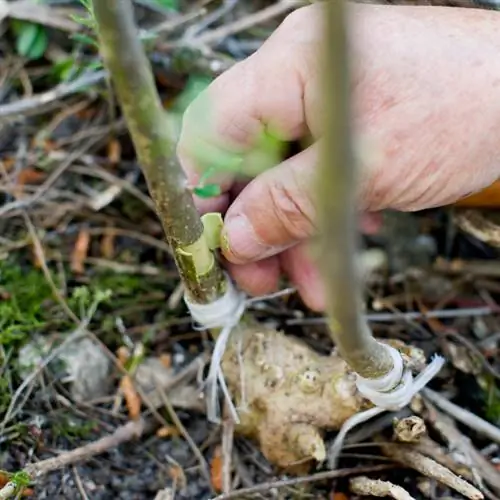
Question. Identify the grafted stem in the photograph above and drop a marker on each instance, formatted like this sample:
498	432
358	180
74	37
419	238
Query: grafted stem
154	141
337	207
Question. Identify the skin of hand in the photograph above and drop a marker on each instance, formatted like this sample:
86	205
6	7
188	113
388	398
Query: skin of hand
426	114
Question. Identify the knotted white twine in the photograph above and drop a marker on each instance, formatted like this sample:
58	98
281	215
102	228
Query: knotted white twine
224	313
392	392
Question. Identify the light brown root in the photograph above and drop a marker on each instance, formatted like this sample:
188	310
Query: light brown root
287	394
408	456
375	488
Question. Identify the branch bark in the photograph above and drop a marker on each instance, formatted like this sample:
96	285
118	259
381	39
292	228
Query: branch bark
153	136
337	209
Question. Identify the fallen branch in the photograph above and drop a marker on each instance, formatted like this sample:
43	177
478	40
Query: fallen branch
375	488
408	456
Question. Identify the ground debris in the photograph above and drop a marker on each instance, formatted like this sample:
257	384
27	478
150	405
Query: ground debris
372	487
408	456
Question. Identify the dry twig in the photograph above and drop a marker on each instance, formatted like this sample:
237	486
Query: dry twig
465	417
375	488
320	476
456	440
408	456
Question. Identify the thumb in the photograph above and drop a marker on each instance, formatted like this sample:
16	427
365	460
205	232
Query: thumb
274	211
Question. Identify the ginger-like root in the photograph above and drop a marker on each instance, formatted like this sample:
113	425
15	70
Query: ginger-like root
287	394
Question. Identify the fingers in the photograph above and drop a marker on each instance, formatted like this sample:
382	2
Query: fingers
256	278
273	212
223	128
262	277
299	265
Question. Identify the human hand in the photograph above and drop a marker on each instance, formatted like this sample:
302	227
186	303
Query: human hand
426	101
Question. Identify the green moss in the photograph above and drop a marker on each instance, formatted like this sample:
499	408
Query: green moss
21	307
71	428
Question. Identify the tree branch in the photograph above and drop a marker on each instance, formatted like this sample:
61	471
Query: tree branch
153	137
337	209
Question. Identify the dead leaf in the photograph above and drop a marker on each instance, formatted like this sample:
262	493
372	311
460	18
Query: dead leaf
49	145
338	495
27	176
114	151
37	260
177	475
80	251
132	398
462	359
436	325
216	469
167	431
8	163
108	245
166	360
123	355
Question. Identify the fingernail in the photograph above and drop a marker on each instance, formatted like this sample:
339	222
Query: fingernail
240	243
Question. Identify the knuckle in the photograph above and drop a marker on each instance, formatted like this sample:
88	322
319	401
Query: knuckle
292	208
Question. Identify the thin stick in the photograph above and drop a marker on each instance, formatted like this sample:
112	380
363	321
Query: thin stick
185	434
320	476
406	455
375	488
465	417
337	209
125	433
456	440
409	315
227	452
259	17
154	141
38	103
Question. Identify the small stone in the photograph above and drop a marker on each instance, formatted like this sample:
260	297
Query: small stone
81	363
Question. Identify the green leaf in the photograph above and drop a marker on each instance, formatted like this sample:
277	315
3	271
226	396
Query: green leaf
21	479
64	69
85	21
32	39
208	191
167	4
84	39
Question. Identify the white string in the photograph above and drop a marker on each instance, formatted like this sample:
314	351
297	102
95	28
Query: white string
224	313
392	392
